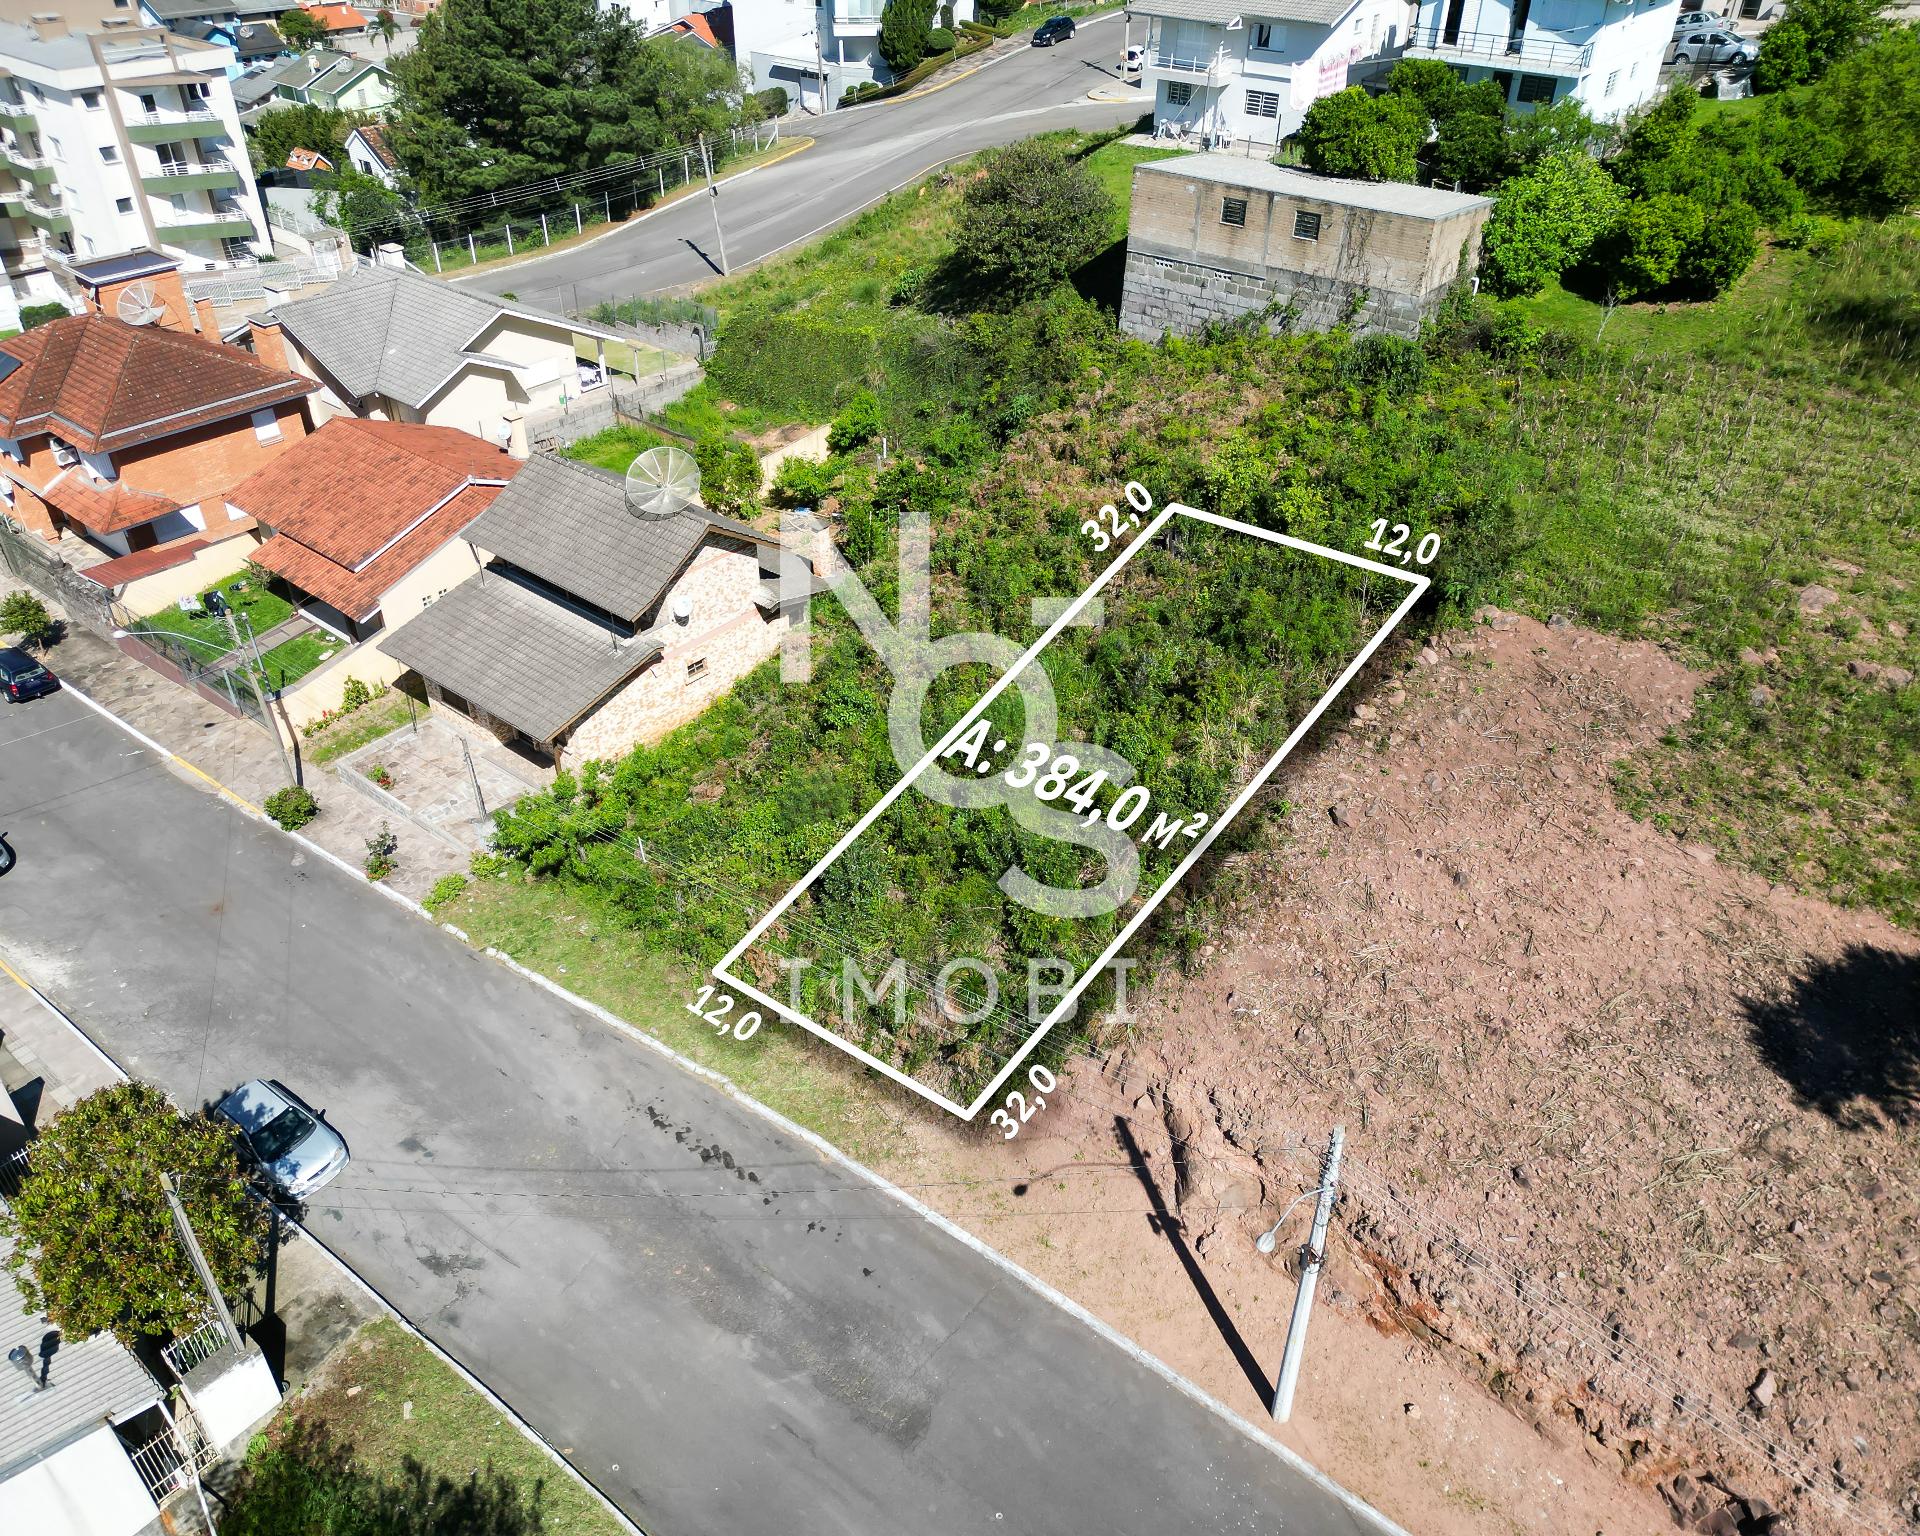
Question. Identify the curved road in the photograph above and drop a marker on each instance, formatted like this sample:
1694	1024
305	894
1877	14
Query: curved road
726	1331
858	156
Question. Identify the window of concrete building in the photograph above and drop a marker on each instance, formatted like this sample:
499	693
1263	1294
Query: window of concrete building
90	100
1612	80
266	426
696	668
1504	79
1179	93
1233	210
1306	226
1263	103
109	154
123	205
1536	88
1269	36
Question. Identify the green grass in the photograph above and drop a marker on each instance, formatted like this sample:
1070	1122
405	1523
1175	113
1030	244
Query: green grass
291	660
1112	166
262	608
615	448
563	933
368	723
392	1400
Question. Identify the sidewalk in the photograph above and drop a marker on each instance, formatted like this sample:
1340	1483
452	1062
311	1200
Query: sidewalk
238	755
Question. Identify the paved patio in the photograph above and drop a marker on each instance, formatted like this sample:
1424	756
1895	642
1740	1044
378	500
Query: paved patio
446	780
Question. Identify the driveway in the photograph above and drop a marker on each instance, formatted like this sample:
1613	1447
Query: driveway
724	1330
857	155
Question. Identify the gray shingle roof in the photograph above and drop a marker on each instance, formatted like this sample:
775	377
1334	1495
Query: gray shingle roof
516	653
87	1380
1380	196
568	523
1220	12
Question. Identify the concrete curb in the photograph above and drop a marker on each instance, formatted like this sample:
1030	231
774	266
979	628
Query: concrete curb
1358	1507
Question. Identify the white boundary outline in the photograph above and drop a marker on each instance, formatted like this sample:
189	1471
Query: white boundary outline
723	969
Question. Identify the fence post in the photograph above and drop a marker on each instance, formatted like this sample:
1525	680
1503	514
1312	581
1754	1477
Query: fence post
545	237
686	168
435	245
509	237
663	179
472	255
607	197
578	227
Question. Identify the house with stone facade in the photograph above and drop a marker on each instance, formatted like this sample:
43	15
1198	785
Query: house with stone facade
1212	238
589	629
128	436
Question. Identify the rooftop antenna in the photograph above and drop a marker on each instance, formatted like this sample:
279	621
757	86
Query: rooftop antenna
138	305
661	482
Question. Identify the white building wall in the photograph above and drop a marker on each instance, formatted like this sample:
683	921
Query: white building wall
1628	52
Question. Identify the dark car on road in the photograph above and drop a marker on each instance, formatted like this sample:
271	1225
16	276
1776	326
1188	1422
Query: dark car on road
21	677
1055	29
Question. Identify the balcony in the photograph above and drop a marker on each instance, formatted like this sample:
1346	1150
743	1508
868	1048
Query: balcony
857	18
15	116
175	127
45	216
206	175
1191	68
226	221
37	169
1526	50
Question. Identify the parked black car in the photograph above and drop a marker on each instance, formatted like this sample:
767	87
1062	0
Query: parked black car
21	677
1055	29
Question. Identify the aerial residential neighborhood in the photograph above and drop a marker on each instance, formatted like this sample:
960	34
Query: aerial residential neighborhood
1060	768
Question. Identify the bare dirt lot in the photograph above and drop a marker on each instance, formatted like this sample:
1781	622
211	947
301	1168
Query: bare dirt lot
1630	1236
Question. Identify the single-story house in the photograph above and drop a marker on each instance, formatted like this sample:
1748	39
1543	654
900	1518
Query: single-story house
389	343
590	629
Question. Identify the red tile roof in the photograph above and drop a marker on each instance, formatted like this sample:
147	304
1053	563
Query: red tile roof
336	18
110	508
299	159
695	25
374	136
144	562
102	384
346	504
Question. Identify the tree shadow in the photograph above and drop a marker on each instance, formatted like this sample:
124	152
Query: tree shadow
306	1480
1846	1039
1882	328
1102	280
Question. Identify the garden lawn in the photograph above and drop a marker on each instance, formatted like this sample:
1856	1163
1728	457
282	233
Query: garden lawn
246	594
367	723
291	660
615	448
392	1400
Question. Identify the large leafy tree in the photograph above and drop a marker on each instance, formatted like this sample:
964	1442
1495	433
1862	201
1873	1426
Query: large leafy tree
1367	138
301	29
97	1248
307	126
1855	141
1036	215
1811	38
499	93
1546	220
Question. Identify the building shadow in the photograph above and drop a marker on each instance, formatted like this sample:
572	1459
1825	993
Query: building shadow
1846	1039
1168	1226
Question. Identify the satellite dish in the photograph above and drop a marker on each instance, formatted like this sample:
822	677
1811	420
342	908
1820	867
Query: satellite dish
138	305
661	482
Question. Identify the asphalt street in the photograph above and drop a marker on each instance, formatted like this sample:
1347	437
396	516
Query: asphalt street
857	156
725	1331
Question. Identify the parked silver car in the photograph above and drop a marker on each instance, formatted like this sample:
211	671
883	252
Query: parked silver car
1715	47
295	1149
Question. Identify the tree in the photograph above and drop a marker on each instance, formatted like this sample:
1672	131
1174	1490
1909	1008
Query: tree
1368	138
1036	215
1720	254
1856	141
906	28
352	200
386	28
498	93
1545	221
1651	241
1547	129
1470	141
97	1248
301	30
1811	38
276	133
25	615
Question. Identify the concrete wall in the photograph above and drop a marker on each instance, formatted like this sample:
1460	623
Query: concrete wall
1187	269
88	1489
726	631
211	563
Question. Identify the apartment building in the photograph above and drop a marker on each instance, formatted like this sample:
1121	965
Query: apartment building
1222	74
119	139
1606	54
814	52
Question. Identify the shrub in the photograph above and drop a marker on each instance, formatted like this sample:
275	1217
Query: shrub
941	40
1036	215
905	29
803	482
1810	39
729	475
95	1246
445	889
293	807
1545	221
354	693
25	615
773	101
1390	362
488	866
39	314
1368	138
859	424
381	774
381	848
1653	237
1729	239
910	285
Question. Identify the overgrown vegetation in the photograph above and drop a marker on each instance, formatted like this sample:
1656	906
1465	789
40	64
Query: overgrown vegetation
22	614
292	807
1671	487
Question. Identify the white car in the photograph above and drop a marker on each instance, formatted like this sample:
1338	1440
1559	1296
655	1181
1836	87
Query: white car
295	1150
1135	60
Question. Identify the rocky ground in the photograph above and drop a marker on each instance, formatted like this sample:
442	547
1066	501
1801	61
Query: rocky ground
1629	1236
